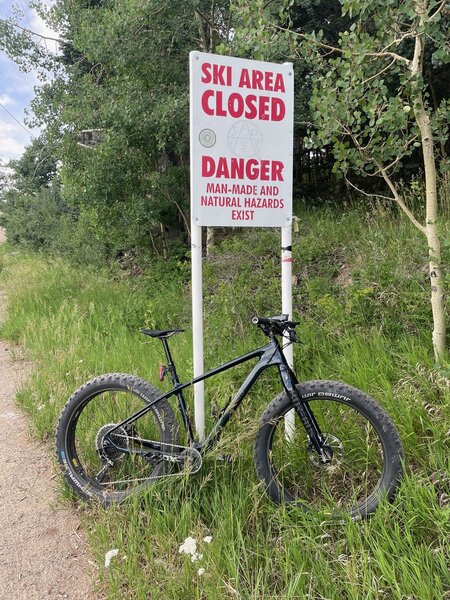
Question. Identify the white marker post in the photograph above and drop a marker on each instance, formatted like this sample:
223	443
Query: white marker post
197	327
286	307
286	302
241	124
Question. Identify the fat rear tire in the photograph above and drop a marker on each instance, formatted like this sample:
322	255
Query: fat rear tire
91	410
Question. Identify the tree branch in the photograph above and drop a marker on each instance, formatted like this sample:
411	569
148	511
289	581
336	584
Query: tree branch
368	194
398	199
308	123
439	10
399	40
204	17
43	37
394	55
379	72
383	172
200	21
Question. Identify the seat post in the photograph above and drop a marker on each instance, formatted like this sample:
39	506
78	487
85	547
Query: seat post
170	363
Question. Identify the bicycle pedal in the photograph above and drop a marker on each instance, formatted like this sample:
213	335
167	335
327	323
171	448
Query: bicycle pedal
225	458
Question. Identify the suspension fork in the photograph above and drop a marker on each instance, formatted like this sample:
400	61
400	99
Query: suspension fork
302	409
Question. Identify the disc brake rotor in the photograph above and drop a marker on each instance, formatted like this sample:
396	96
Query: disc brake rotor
333	450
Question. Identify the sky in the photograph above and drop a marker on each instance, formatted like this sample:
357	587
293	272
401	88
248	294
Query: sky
16	87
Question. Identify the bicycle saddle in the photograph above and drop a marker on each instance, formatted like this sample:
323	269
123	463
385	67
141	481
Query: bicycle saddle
157	333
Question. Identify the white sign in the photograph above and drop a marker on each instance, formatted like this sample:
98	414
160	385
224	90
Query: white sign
241	141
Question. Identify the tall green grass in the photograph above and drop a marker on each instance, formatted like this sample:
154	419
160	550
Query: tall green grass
362	298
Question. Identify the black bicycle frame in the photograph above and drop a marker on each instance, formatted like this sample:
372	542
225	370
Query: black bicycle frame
269	355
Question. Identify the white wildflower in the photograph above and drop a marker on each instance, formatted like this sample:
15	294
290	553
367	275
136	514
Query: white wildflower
207	539
109	555
196	556
201	571
189	546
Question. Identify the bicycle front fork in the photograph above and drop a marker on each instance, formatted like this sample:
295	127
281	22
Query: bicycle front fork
303	411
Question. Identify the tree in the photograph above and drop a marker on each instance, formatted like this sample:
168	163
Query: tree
253	39
214	30
123	70
370	100
30	197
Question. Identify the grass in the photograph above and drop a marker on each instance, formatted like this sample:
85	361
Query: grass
361	294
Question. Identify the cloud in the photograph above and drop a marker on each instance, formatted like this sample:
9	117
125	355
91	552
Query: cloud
5	99
12	142
15	96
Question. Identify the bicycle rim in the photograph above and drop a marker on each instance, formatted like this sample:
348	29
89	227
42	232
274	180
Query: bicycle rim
113	469
349	480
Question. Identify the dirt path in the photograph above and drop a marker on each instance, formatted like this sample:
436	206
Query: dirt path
43	552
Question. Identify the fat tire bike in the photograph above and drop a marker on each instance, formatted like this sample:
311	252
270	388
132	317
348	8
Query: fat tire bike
337	452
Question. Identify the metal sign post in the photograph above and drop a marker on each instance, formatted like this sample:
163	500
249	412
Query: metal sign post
286	306
241	126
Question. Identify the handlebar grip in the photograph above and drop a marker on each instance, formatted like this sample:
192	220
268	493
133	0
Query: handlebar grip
262	321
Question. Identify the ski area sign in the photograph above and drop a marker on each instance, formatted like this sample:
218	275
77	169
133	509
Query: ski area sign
241	141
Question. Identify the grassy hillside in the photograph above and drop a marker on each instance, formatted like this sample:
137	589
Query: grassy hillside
361	294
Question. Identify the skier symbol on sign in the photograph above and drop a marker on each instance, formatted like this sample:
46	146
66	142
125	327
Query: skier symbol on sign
244	139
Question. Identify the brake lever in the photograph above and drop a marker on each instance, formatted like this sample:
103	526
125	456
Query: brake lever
293	337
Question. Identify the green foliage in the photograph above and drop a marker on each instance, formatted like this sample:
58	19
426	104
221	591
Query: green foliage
123	73
363	94
29	219
371	101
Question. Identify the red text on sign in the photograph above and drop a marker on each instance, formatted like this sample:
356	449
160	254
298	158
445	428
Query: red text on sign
220	201
261	80
263	203
242	215
216	74
252	79
241	168
264	108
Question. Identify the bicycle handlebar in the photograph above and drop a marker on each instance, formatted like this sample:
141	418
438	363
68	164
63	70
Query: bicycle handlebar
274	325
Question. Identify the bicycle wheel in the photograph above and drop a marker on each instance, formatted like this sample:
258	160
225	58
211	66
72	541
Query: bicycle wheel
93	467
364	449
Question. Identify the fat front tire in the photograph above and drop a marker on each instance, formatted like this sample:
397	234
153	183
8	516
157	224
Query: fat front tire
92	467
365	460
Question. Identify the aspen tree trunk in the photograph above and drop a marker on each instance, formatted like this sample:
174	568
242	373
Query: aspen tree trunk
431	225
210	239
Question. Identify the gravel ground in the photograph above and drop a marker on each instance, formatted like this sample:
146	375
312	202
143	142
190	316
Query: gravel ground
43	550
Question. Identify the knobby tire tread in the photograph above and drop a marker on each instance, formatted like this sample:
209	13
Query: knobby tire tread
365	405
93	387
